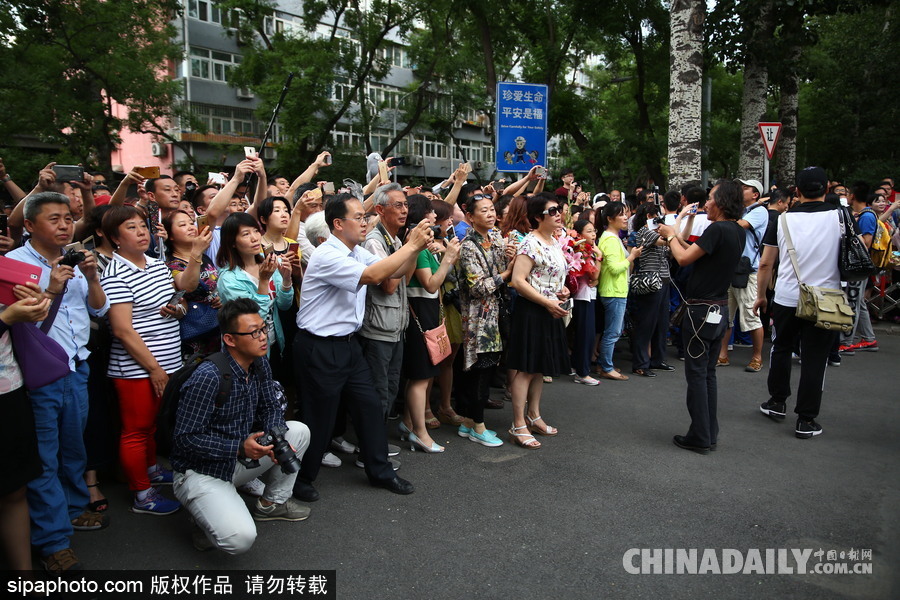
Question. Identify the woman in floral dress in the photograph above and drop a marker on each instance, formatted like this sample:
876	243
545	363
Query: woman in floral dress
486	269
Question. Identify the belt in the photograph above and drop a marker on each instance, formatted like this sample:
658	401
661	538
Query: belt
704	301
79	361
335	338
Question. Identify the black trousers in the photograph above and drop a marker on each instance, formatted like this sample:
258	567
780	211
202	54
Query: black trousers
327	370
815	344
650	322
472	391
701	349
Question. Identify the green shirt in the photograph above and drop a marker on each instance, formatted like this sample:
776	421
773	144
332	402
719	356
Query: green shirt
613	268
425	260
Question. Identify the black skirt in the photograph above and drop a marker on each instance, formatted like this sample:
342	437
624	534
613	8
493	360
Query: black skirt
537	341
416	360
21	461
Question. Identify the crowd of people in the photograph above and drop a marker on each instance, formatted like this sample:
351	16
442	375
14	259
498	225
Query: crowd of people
264	314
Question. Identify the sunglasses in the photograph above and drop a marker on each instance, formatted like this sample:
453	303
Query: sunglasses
552	211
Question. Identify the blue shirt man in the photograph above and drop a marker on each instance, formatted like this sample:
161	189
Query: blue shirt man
57	499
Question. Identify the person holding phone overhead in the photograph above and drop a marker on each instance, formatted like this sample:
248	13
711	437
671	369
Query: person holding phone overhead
246	272
146	348
195	274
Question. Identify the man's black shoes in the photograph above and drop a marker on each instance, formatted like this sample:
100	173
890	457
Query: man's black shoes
807	429
397	485
662	367
773	410
305	492
681	442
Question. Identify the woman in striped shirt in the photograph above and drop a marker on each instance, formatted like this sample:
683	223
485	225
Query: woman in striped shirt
145	349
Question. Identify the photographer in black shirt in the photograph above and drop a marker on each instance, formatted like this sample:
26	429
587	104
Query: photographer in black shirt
714	256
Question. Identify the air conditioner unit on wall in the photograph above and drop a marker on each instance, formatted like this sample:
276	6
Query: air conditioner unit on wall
477	165
457	124
158	149
244	94
418	161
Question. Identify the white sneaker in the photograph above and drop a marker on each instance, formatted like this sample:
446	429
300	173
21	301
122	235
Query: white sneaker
587	380
254	487
330	460
342	445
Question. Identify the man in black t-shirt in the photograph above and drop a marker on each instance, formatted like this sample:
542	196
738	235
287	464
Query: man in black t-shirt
714	256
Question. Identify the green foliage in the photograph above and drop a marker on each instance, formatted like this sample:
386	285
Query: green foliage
65	64
850	100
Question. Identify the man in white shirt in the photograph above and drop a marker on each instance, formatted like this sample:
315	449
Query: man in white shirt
815	233
329	360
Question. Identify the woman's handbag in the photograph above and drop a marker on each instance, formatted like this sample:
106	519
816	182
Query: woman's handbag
200	319
854	260
436	340
645	283
827	308
42	360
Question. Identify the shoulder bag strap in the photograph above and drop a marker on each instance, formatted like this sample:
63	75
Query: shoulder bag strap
54	308
782	222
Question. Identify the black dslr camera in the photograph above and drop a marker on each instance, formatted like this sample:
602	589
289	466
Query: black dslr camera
71	258
284	454
658	220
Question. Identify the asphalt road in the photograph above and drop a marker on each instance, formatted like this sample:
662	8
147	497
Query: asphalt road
511	523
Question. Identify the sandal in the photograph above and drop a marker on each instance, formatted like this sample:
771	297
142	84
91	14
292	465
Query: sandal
432	422
548	431
90	521
450	418
97	506
526	440
529	442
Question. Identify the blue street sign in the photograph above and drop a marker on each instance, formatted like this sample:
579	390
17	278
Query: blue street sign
521	126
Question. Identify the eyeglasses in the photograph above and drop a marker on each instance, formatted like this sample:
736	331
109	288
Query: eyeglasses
479	197
552	211
399	205
362	220
255	334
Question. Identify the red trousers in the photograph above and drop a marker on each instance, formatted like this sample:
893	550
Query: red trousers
138	407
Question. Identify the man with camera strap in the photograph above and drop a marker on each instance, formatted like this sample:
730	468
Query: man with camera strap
220	447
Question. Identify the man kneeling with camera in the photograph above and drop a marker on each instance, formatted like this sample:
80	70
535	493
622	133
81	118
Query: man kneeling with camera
221	443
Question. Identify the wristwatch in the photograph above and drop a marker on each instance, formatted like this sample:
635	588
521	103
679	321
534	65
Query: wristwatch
6	178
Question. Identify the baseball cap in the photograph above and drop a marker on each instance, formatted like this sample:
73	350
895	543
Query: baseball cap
812	182
754	183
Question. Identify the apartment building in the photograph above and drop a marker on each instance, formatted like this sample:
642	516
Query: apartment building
231	120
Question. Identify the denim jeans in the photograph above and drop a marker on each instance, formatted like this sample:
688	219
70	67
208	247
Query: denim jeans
59	494
614	320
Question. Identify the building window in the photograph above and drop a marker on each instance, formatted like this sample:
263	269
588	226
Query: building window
203	10
225	120
434	149
212	64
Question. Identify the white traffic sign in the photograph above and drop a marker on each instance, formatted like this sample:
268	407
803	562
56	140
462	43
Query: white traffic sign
770	133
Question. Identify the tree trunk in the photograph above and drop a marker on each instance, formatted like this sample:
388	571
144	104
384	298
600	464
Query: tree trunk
786	153
756	82
685	91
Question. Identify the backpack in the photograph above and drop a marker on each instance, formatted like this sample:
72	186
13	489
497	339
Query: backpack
168	409
880	250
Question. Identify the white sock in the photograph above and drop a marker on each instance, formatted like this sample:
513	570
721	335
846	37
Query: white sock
142	494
